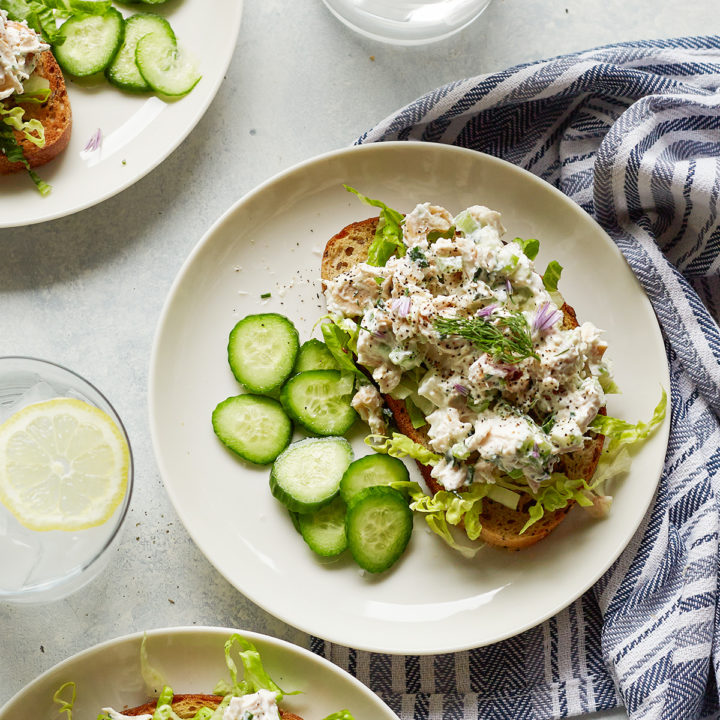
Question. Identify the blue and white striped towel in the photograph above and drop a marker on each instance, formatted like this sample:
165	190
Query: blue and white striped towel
632	133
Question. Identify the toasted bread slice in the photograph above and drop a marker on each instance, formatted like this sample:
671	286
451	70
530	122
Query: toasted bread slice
186	706
54	114
500	525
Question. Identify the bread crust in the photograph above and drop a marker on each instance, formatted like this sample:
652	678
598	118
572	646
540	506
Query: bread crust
55	115
186	706
500	525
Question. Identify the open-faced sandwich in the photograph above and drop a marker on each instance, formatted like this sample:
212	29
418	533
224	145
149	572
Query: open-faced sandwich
35	115
261	705
253	696
443	337
495	387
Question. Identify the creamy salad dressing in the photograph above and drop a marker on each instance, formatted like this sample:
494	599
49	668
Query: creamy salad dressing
261	705
115	715
19	49
486	417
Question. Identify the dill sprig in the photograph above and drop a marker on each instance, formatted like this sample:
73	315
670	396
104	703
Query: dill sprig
506	338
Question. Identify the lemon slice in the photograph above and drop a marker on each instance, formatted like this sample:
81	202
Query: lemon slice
63	465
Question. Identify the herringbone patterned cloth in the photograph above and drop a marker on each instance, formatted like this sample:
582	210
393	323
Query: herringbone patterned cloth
631	132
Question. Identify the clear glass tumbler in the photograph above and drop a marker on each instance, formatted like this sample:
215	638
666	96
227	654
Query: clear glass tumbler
407	22
42	566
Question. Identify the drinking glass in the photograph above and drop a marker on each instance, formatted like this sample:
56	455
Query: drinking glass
407	22
41	566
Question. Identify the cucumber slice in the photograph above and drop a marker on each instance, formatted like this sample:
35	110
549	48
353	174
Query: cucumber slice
166	68
314	355
371	471
379	524
254	427
262	350
295	518
319	400
123	71
324	530
307	475
90	43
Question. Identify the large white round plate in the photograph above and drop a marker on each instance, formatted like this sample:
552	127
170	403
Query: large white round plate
192	660
432	600
139	131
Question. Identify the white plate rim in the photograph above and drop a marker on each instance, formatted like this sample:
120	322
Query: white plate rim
294	653
662	433
194	118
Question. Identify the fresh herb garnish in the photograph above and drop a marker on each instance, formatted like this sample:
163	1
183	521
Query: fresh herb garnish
418	256
266	295
506	338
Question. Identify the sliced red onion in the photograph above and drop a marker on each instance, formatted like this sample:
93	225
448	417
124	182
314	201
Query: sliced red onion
546	317
534	453
508	286
95	141
462	389
487	310
402	306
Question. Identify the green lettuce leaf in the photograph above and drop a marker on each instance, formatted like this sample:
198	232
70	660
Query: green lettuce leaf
615	459
66	703
620	432
448	508
551	276
556	496
10	147
17	10
163	707
530	247
611	465
401	446
165	712
340	336
43	15
607	383
86	7
36	91
438	524
254	677
388	236
152	677
32	130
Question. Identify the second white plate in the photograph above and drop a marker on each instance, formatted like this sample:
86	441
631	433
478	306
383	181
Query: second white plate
271	241
139	131
192	660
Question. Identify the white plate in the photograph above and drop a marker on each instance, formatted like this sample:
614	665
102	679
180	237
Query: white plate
433	600
192	660
139	131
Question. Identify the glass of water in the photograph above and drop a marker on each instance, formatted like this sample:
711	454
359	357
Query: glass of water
407	22
38	565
